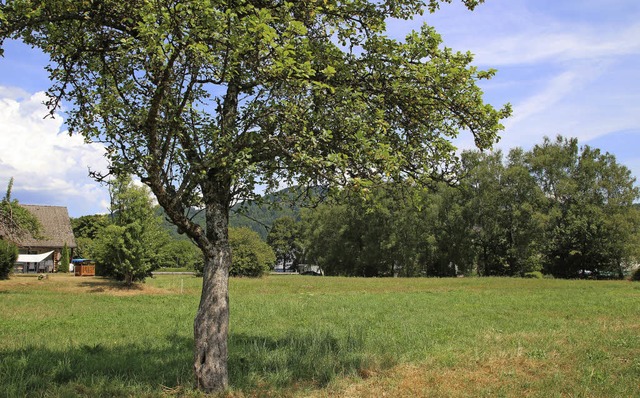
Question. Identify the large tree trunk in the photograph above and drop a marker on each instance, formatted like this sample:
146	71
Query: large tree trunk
211	325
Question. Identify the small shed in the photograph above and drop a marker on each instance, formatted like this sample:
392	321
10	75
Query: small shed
83	267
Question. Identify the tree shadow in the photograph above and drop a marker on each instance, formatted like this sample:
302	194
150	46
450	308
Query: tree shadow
96	369
104	284
255	362
310	358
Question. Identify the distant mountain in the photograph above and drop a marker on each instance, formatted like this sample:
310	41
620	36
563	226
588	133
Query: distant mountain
256	216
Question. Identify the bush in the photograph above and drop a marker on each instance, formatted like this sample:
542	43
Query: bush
124	253
250	255
635	275
533	275
8	257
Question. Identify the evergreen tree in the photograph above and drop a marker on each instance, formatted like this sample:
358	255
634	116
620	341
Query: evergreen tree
64	259
128	248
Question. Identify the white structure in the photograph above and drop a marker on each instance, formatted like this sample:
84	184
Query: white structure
35	262
309	269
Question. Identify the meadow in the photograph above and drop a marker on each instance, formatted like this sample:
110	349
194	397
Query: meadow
297	336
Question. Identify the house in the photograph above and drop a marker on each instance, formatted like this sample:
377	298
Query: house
44	254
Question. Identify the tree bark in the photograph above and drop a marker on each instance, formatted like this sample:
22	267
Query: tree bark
211	325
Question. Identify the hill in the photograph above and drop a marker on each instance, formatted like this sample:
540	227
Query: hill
256	216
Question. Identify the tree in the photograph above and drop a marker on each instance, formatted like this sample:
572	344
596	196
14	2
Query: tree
483	209
523	217
592	222
16	223
377	235
128	248
448	243
324	230
284	240
503	205
251	256
64	259
635	275
180	254
86	229
205	100
89	226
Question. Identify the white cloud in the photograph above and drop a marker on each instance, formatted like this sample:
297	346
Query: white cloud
44	160
566	67
557	44
556	88
521	32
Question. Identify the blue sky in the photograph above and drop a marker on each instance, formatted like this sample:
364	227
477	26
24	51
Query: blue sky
569	67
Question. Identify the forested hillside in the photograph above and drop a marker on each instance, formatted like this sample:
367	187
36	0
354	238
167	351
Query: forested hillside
258	216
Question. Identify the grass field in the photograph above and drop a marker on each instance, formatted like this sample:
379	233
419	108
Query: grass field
325	337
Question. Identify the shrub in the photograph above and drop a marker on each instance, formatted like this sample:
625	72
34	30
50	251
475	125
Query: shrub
635	275
533	275
8	257
250	255
124	253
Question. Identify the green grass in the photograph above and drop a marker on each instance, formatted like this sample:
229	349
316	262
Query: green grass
174	269
298	336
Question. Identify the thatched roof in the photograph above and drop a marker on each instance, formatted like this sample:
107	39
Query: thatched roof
56	227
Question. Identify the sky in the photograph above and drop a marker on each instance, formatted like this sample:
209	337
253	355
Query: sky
569	67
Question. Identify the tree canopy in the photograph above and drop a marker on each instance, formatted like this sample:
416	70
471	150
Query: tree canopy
283	238
204	100
16	222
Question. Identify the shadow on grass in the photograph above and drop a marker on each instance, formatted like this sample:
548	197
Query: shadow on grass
99	285
312	358
96	370
165	367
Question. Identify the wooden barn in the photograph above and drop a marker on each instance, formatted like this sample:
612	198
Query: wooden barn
44	254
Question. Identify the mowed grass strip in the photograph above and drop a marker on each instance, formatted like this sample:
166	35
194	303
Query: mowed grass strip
325	337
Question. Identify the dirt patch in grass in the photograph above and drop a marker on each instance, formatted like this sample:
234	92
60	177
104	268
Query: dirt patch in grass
72	284
612	324
494	376
118	289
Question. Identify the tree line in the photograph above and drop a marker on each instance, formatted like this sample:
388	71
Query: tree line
558	209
